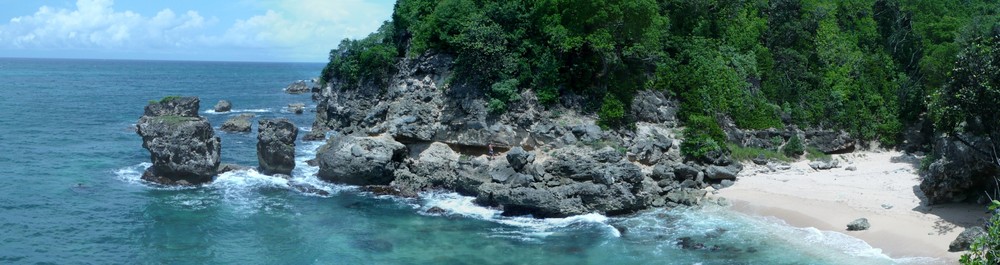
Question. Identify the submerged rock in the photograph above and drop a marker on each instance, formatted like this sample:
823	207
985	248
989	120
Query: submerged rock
238	123
297	108
858	225
223	106
276	145
182	145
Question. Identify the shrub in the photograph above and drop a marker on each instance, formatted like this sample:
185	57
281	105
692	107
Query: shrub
986	249
815	154
701	136
612	112
794	147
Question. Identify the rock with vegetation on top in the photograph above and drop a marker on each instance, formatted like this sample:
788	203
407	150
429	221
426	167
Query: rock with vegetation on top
298	87
238	123
858	225
223	106
182	145
276	146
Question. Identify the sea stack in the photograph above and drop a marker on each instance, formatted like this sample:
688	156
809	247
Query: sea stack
182	145
276	146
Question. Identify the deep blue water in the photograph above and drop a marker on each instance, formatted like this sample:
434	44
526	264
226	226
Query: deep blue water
70	192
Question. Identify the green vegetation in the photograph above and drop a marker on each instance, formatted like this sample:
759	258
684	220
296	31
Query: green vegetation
865	66
165	99
793	148
815	154
173	119
702	136
986	249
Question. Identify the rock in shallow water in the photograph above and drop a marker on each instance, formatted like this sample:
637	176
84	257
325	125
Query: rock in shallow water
223	106
239	123
182	145
360	160
276	146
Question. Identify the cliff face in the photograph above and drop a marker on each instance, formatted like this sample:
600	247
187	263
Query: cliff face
559	161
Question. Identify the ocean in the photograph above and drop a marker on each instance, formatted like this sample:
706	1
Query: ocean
70	192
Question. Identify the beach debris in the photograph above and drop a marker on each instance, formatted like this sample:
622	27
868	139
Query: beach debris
858	225
965	239
887	206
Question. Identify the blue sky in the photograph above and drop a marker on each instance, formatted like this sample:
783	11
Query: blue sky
235	30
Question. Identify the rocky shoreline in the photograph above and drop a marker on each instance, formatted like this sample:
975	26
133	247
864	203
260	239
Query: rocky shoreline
423	131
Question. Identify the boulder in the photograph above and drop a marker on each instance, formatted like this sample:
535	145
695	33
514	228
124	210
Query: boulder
958	172
298	87
360	160
182	145
297	108
315	135
858	225
650	148
276	146
965	239
223	106
518	158
238	123
723	173
654	107
824	164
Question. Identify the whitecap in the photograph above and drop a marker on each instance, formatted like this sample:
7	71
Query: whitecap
211	111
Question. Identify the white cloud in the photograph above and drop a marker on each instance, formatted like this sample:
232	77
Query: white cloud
291	30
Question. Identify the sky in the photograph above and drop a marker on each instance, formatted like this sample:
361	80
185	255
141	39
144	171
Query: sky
195	30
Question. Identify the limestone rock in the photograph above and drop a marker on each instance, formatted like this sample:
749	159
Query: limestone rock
223	106
238	123
360	160
182	145
858	225
276	146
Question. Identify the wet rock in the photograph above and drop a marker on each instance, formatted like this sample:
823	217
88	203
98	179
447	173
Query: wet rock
360	160
276	145
307	188
238	123
297	87
223	168
182	145
858	225
223	106
388	190
966	238
297	108
436	211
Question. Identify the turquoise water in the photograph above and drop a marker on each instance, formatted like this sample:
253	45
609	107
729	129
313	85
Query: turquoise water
70	192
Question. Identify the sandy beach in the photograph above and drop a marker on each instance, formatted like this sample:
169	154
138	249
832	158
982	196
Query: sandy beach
883	188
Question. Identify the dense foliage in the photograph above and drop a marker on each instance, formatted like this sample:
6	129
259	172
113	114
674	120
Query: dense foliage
986	249
866	66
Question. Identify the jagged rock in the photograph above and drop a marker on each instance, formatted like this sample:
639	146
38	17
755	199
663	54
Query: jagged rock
307	188
830	142
182	146
858	225
518	158
388	190
824	164
959	172
588	132
663	171
297	108
436	211
297	87
276	145
654	107
684	171
223	106
650	147
360	160
965	239
238	123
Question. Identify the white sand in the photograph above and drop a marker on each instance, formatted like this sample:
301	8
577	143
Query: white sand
829	199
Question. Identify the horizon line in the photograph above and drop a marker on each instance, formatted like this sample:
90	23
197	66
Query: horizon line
157	60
